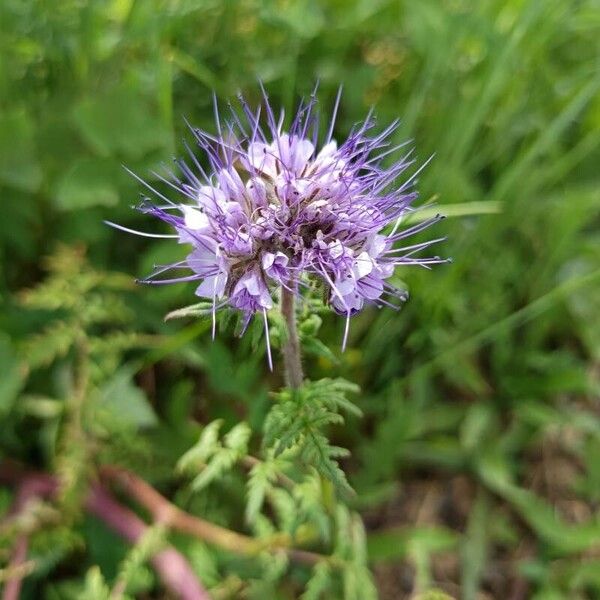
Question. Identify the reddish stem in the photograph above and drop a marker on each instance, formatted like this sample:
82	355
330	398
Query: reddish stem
28	489
12	589
173	569
170	515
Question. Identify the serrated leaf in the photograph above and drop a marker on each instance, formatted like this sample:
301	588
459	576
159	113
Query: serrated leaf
319	583
203	449
221	462
237	438
54	342
94	586
262	476
211	457
298	420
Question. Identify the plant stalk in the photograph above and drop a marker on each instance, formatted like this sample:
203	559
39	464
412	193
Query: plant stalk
175	572
291	348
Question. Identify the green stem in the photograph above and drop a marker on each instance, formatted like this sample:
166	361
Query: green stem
291	347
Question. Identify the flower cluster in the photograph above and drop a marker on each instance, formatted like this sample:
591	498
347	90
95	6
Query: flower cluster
273	210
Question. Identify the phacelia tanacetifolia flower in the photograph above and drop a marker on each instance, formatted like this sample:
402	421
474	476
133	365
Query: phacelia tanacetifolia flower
272	208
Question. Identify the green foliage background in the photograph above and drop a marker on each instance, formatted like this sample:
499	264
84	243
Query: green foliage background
476	463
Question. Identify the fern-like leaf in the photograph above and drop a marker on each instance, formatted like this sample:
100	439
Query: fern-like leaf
299	420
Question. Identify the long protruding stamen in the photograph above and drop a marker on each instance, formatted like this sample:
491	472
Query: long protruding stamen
214	309
271	209
267	339
142	233
334	114
346	331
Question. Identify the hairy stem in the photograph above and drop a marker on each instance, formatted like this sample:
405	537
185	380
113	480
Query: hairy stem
291	348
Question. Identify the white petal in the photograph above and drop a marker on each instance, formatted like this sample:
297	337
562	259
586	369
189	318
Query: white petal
302	152
194	218
349	302
376	245
327	150
282	259
265	299
363	265
336	249
252	284
260	156
345	285
257	191
268	258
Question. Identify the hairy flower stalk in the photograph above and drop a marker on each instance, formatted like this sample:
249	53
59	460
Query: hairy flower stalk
274	215
291	348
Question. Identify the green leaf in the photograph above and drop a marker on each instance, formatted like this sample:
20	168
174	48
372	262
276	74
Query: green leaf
213	458
535	511
126	402
297	422
237	438
203	562
53	342
316	347
394	544
224	459
434	595
121	121
262	476
95	586
476	426
12	376
203	449
475	546
199	310
458	209
319	583
19	167
88	182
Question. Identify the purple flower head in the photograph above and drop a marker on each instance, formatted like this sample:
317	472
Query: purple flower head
274	208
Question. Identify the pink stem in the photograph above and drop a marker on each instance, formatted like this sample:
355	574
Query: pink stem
172	567
12	589
29	488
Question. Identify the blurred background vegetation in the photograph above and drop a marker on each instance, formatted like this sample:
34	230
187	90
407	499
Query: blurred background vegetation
476	464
